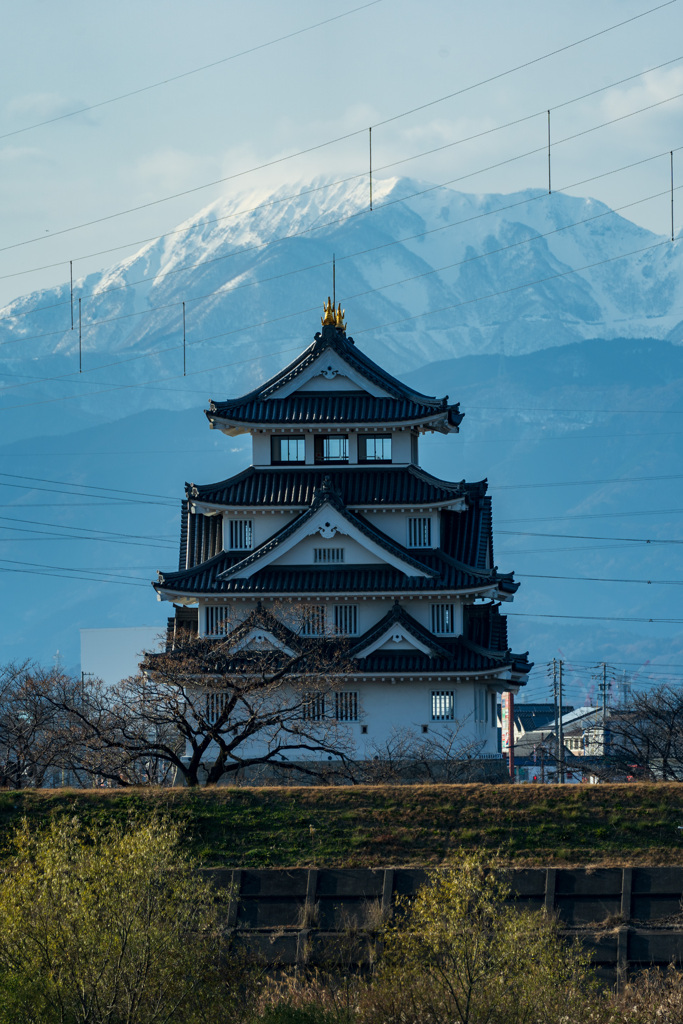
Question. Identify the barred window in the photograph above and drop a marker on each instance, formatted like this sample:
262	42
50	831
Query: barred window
313	620
328	556
419	532
217	620
346	705
215	705
241	534
346	619
443	619
443	705
313	707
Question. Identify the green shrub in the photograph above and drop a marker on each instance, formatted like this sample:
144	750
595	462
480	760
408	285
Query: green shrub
112	926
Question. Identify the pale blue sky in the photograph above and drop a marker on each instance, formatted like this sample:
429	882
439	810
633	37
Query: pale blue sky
363	68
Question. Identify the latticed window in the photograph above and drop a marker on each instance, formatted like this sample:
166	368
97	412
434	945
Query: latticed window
313	707
241	534
443	619
419	532
328	556
443	705
313	620
346	619
217	621
215	705
346	705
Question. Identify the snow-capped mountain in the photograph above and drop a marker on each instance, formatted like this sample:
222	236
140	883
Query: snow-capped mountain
429	274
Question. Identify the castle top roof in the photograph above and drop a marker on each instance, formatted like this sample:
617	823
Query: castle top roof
373	396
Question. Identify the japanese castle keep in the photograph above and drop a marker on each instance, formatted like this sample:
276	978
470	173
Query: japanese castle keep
335	518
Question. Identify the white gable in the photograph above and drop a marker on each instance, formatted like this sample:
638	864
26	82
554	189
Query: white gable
329	525
262	639
396	637
324	371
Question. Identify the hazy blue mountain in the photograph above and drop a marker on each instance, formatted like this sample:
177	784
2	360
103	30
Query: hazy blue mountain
564	377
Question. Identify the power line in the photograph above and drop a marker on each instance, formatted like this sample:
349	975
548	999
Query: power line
87	579
414	277
574	536
595	515
194	71
595	618
594	579
92	487
342	138
520	67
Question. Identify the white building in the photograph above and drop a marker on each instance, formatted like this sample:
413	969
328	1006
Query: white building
336	527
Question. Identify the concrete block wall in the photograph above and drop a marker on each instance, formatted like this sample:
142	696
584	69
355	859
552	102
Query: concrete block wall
629	917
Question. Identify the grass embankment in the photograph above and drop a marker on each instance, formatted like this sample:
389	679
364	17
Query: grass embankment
376	826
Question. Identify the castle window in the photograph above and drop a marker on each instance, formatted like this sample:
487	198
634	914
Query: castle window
288	449
443	619
328	556
215	705
346	705
217	620
331	448
374	448
346	619
313	620
419	532
313	707
443	705
241	534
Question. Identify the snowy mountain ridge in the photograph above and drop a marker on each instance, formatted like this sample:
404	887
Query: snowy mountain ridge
510	273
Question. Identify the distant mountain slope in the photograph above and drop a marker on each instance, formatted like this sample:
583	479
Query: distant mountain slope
500	268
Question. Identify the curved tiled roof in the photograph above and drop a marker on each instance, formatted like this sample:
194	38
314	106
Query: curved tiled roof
359	486
309	579
349	409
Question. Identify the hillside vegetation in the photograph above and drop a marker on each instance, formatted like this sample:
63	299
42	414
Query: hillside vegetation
376	826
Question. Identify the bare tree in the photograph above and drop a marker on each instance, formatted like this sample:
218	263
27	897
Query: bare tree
35	732
210	709
644	738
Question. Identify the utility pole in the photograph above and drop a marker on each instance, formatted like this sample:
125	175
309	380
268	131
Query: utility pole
557	724
511	735
603	687
542	761
560	734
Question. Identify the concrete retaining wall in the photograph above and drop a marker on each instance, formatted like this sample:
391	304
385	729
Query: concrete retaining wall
629	918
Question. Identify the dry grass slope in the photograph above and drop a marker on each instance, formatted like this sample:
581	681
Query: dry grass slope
375	826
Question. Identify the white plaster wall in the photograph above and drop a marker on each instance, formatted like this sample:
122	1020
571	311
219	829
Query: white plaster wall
386	708
114	654
400	446
395	525
260	449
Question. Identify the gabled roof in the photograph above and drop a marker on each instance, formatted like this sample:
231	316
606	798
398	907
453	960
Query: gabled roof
359	486
211	578
334	341
398	622
326	498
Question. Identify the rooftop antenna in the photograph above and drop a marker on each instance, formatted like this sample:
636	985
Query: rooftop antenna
334	282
